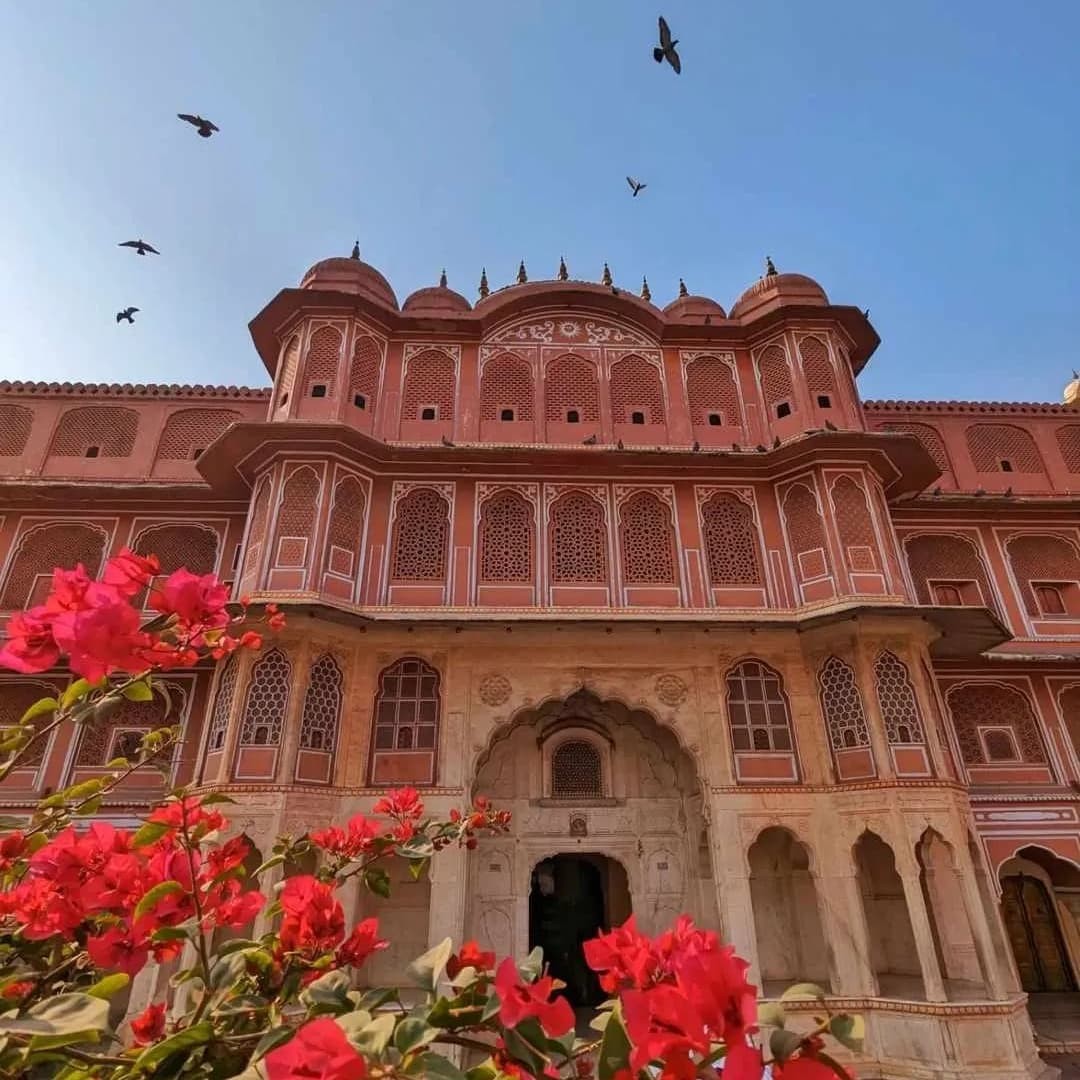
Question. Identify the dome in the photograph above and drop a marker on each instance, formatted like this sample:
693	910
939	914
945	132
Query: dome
778	290
436	300
1071	395
350	276
693	309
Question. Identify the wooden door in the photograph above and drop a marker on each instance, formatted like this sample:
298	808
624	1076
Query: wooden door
1035	936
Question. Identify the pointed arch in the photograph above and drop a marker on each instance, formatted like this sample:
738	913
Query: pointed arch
774	372
322	706
506	382
266	700
296	516
106	431
323	361
995	724
577	540
364	372
731	541
42	548
1003	448
345	529
421	537
819	373
223	703
897	702
947	568
571	384
1046	568
635	386
806	533
712	393
842	705
647	541
430	381
256	537
405	735
759	716
855	526
507	540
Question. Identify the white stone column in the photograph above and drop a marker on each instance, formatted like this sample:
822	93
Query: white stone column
844	925
446	911
978	921
908	870
733	887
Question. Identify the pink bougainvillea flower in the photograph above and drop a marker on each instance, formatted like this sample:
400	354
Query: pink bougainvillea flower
318	1051
402	802
101	637
195	599
129	573
313	920
361	943
470	955
30	645
117	950
149	1025
521	1000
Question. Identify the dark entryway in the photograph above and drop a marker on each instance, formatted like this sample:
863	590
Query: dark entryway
1035	935
573	898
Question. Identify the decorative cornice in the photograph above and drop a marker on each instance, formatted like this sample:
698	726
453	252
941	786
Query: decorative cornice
982	408
134	390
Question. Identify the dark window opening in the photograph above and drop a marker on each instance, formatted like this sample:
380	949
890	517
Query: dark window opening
1006	465
948	595
318	390
824	401
261	735
783	409
427	413
217	740
506	414
573	416
715	420
1051	600
637	418
1000	746
93	451
196	453
359	401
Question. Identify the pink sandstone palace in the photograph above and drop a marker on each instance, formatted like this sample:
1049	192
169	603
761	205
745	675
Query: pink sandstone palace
726	639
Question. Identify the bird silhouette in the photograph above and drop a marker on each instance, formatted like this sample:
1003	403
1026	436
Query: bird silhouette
589	440
776	443
761	449
830	426
696	447
666	49
447	441
205	127
635	186
734	446
980	491
1008	493
936	491
866	314
128	313
619	445
141	246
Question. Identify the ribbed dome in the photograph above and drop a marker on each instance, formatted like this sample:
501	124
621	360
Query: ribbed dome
777	290
436	300
350	276
693	309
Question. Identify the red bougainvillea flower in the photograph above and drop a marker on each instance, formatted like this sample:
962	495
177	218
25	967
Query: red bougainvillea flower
402	802
30	646
129	573
40	909
662	1026
521	1000
623	958
714	983
743	1062
239	907
16	991
12	848
197	600
803	1068
188	813
313	920
117	950
361	943
318	1050
470	955
354	840
101	637
149	1025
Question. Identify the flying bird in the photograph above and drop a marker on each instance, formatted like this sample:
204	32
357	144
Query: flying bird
141	246
205	127
636	185
666	49
128	313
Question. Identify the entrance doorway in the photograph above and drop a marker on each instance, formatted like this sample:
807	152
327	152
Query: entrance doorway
573	898
1035	935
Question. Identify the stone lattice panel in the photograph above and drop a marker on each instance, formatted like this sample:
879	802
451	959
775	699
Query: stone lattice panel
364	370
940	557
97	745
507	540
260	513
711	388
506	383
931	439
346	526
15	424
646	541
15	699
322	705
289	361
731	541
296	517
430	379
805	530
323	360
775	375
1041	558
854	524
190	431
576	771
110	428
757	708
570	382
990	705
842	705
817	370
266	700
421	537
47	546
219	714
1068	440
578	540
896	700
635	386
990	444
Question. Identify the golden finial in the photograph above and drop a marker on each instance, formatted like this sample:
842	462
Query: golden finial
770	270
562	275
605	278
355	250
522	276
484	290
645	294
682	288
442	279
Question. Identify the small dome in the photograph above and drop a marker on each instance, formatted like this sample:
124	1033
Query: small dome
436	300
693	309
1071	394
777	290
350	276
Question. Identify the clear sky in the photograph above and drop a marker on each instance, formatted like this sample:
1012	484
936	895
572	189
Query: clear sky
920	158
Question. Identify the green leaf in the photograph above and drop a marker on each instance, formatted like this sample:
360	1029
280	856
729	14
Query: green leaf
61	1021
522	1042
227	970
435	1066
848	1029
529	969
170	933
9	823
378	881
83	790
89	807
614	1047
412	1033
109	985
74	691
40	708
274	860
426	970
149	833
484	1071
330	991
196	1035
157	893
374	1038
782	1043
214	798
771	1013
419	847
803	990
274	1038
139	691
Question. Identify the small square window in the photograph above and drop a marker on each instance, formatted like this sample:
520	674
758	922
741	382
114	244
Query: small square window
1051	599
506	414
92	451
428	412
359	401
1006	465
948	596
637	418
715	420
318	390
824	401
783	409
573	416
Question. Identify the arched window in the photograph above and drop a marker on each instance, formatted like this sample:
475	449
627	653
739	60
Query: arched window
507	539
290	358
806	533
635	386
430	384
223	702
1068	440
506	383
570	385
43	548
1047	571
346	528
421	536
1002	448
188	432
948	569
731	541
407	708
931	439
842	705
896	700
818	372
647	541
576	771
15	698
1000	745
323	360
979	708
177	547
106	431
121	734
297	511
757	708
712	393
578	540
855	526
1069	702
256	538
322	706
267	700
364	373
775	375
15	424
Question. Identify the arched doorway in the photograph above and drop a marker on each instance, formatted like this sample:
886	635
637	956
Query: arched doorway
573	897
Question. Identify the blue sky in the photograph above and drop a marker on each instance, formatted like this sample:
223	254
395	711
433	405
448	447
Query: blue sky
921	159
